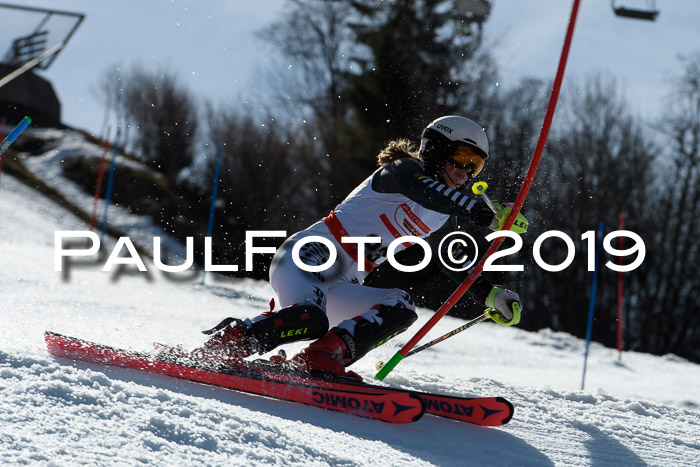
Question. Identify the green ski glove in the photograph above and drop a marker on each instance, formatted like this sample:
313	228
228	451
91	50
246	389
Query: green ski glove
505	306
519	226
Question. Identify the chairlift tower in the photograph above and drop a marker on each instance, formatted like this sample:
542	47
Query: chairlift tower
33	38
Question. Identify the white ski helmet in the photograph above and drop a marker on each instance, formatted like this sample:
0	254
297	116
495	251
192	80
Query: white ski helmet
441	138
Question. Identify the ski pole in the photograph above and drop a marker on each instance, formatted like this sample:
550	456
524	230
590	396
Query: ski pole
464	327
479	189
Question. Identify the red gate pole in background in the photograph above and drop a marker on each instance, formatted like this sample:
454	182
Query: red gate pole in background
100	177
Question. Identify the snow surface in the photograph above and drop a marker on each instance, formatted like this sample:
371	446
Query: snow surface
644	410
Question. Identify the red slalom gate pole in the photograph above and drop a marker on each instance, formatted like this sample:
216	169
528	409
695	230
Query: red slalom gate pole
519	201
100	177
619	292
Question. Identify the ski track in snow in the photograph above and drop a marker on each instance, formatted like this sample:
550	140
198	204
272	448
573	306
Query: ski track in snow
640	411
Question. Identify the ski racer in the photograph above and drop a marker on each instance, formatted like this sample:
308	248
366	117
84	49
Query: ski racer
419	194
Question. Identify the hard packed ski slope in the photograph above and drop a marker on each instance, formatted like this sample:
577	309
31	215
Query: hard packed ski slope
644	410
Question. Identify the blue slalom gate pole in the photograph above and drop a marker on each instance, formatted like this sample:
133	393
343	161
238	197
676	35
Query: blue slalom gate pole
110	185
212	208
591	307
21	126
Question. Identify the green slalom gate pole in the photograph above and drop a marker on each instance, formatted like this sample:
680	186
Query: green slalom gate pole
519	201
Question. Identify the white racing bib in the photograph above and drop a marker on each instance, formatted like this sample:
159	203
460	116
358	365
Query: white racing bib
368	213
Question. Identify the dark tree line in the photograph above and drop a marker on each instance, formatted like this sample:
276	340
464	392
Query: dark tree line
158	115
357	74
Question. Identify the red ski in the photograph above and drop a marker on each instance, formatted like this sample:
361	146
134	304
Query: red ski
393	407
483	411
345	394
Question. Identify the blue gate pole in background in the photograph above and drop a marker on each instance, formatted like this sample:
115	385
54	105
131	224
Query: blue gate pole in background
212	208
110	185
592	302
21	126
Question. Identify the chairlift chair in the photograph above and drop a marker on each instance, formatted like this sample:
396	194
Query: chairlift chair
649	14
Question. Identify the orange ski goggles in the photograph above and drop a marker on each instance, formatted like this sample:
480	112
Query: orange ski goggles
467	158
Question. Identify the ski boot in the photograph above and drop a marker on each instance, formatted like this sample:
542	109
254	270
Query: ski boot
231	342
353	339
234	339
328	355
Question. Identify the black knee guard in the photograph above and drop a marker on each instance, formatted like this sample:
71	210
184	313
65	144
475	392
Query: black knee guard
291	324
367	333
